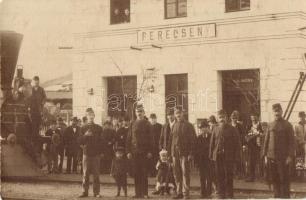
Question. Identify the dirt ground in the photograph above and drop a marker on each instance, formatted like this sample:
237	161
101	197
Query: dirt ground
63	191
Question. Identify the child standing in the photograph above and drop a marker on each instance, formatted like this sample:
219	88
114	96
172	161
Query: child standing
119	171
164	172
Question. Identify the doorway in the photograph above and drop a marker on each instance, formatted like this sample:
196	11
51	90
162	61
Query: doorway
176	93
241	92
122	95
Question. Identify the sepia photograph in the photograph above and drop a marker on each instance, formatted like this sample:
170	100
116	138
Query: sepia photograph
152	99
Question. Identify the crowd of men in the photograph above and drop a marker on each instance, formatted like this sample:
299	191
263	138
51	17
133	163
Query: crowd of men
222	147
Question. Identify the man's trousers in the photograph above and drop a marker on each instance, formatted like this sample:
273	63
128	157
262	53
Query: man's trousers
72	159
181	167
141	174
224	177
205	177
91	165
279	172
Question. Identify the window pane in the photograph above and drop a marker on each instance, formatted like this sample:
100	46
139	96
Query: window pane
171	10
182	7
245	4
232	5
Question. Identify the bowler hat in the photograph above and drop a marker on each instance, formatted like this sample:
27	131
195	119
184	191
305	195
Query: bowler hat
74	119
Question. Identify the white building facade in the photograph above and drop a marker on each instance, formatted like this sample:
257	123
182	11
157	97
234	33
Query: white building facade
203	55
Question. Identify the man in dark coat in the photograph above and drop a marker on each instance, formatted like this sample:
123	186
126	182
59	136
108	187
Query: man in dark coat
71	136
121	134
61	126
92	141
253	143
37	101
225	152
202	158
109	138
182	143
240	170
140	145
279	149
156	131
166	131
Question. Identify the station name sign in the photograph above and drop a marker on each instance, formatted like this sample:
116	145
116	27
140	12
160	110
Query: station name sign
172	34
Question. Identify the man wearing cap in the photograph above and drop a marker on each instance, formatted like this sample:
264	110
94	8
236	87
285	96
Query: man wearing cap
37	101
300	133
71	135
166	131
225	152
156	131
139	146
279	151
182	143
92	141
61	126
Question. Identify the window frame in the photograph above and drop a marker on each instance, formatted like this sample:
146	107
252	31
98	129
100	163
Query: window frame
111	9
238	9
176	10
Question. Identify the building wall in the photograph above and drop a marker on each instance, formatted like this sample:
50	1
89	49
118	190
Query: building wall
267	38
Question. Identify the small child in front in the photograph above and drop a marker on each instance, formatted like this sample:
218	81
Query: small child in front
119	171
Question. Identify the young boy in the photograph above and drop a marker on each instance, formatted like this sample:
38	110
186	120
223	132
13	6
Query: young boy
119	171
164	180
203	162
53	147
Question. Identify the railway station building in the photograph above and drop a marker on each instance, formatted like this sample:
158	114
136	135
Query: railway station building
203	55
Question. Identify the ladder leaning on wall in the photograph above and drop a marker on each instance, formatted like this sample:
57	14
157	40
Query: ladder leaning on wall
296	92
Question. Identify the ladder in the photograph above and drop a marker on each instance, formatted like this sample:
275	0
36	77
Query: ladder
295	95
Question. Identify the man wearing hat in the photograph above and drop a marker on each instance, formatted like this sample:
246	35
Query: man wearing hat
156	131
225	152
36	102
139	146
202	159
61	126
300	133
182	143
71	135
279	151
166	130
92	141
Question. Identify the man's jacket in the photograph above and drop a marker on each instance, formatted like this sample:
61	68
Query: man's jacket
279	141
182	138
225	141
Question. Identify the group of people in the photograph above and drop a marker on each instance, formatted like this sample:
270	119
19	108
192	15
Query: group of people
216	148
221	147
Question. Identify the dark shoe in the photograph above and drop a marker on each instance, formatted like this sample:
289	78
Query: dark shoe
186	197
179	196
137	197
83	195
157	192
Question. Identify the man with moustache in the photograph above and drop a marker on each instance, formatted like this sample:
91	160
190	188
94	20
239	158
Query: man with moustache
92	141
140	146
182	142
279	150
225	152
